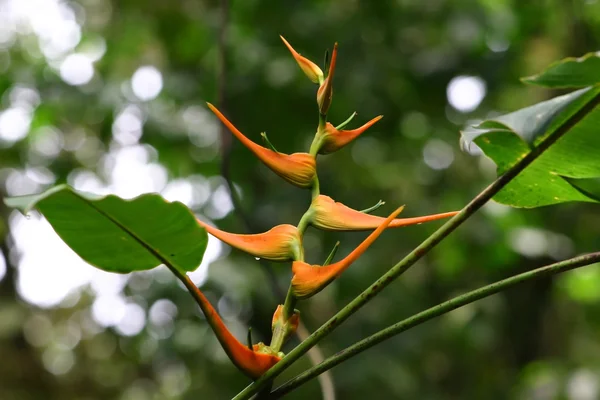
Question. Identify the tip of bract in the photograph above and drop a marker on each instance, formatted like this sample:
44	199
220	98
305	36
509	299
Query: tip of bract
310	69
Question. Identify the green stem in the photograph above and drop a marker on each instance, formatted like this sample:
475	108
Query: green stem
373	208
329	258
431	313
280	330
315	146
346	122
249	339
417	253
316	191
322	121
280	334
289	304
267	142
304	221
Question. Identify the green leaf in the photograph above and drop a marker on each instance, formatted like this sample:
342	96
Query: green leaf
119	235
509	138
569	73
591	186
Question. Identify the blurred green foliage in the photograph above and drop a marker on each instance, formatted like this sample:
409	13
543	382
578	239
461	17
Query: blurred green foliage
60	124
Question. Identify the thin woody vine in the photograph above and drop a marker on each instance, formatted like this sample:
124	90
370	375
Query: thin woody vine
284	243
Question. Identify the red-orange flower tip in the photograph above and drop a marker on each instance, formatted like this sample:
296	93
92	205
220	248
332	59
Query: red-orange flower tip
309	68
253	362
325	92
299	168
333	216
311	279
281	243
333	139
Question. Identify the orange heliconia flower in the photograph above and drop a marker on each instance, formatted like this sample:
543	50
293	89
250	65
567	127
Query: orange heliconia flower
253	362
333	216
298	168
281	243
333	139
311	69
325	92
311	279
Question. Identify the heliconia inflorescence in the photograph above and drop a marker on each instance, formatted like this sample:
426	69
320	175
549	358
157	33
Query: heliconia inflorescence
284	242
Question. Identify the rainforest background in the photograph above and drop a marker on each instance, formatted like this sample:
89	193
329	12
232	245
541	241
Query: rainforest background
109	96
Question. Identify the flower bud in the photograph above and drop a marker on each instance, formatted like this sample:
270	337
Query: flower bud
284	328
334	216
281	243
311	279
325	92
311	69
299	168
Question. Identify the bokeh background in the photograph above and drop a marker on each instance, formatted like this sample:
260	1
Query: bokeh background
108	95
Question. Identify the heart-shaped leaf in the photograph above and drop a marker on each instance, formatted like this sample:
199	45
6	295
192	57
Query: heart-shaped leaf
119	235
569	73
509	138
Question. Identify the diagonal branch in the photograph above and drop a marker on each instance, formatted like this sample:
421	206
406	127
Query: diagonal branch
431	313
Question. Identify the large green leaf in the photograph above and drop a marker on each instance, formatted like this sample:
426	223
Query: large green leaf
509	138
569	73
119	235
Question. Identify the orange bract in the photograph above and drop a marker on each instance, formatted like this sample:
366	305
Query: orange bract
281	243
334	216
251	362
311	279
298	168
333	139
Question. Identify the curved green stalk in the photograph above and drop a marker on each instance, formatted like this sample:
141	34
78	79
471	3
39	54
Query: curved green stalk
346	122
373	208
304	222
316	191
431	313
267	142
329	258
417	253
316	143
